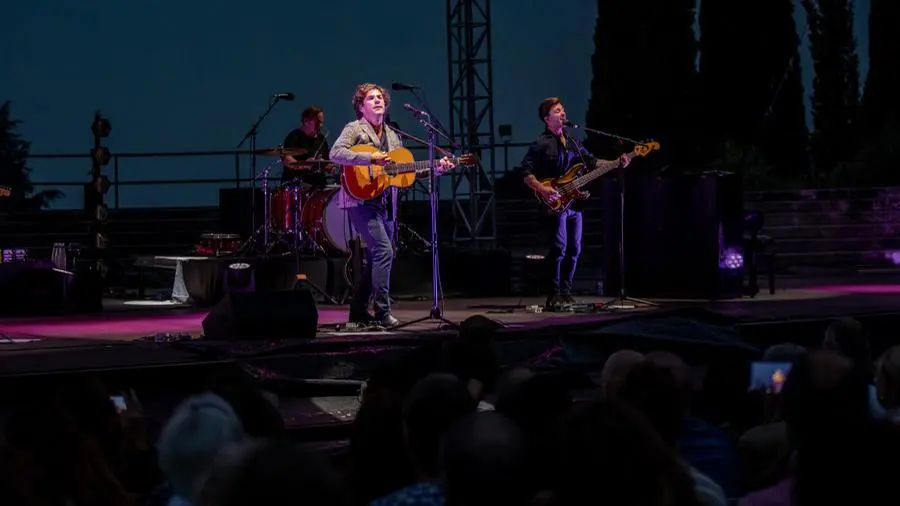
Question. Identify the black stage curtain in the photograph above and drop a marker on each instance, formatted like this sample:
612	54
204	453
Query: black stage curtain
206	281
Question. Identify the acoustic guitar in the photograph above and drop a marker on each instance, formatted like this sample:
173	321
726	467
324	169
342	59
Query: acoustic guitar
366	182
569	185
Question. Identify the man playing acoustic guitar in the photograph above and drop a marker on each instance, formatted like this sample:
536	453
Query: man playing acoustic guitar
550	156
373	219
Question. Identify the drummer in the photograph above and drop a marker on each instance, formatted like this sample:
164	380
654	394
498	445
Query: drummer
306	143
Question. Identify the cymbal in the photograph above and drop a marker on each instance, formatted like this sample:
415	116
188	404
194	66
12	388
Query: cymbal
281	151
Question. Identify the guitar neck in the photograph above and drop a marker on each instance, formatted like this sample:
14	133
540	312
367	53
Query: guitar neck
405	168
602	167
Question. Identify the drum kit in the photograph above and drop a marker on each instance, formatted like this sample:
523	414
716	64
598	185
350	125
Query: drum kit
299	217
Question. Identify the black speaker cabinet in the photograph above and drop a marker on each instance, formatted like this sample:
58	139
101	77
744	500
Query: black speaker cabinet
248	316
683	236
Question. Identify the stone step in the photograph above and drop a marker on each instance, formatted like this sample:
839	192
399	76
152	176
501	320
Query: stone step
814	246
816	206
861	230
822	194
826	219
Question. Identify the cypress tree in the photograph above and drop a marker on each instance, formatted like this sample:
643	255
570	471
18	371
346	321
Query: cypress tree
751	81
835	97
14	171
644	76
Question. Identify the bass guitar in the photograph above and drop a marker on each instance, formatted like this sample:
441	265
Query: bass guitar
366	182
568	186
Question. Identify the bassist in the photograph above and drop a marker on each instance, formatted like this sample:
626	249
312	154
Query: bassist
549	156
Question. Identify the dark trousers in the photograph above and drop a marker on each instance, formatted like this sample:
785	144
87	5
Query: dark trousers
376	230
565	250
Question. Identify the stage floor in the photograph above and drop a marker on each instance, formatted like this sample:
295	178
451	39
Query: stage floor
129	320
34	348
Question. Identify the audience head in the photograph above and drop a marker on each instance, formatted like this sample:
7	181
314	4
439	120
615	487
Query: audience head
680	370
58	462
192	437
474	362
435	403
653	391
87	400
784	352
887	378
536	402
272	472
824	392
847	336
258	415
609	452
509	381
617	367
484	462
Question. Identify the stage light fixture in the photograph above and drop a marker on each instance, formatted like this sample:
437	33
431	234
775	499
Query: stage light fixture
101	156
101	127
239	277
732	259
505	130
95	191
13	255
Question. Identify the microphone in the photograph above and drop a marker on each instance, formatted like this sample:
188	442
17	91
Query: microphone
284	96
403	87
569	124
415	111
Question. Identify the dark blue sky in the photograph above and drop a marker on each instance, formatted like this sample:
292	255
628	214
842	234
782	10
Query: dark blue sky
186	76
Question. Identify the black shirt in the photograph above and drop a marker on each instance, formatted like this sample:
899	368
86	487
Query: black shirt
316	147
547	157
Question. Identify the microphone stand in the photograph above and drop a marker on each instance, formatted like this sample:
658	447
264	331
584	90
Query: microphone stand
623	301
251	134
436	313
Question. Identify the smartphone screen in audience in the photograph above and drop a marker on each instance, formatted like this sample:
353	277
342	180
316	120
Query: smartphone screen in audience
768	376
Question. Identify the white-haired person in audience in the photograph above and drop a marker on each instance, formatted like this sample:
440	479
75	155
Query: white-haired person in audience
190	440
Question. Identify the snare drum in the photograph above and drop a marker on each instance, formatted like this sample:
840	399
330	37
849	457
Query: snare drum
325	222
219	244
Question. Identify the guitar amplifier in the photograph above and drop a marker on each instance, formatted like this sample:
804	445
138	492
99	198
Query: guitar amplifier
683	236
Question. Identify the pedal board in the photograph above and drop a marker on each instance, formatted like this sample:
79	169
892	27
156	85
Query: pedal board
572	308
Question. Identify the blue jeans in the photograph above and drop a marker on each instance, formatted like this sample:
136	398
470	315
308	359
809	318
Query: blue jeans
565	250
371	222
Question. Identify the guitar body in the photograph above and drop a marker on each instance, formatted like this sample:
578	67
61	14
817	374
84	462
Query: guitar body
566	197
366	182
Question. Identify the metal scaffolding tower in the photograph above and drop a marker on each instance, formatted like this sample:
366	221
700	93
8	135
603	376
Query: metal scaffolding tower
472	120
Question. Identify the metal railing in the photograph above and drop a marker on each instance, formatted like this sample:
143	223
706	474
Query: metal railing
239	179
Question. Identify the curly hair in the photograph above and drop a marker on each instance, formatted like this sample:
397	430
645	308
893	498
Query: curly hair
359	96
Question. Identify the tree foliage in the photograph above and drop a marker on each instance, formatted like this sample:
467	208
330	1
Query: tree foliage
14	171
753	97
644	77
881	100
835	97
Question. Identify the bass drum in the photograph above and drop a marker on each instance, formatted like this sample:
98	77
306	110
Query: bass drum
326	223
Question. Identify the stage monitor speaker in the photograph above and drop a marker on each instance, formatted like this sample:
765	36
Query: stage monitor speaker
683	236
251	316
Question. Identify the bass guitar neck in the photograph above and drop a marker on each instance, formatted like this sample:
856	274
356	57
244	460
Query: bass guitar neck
568	187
